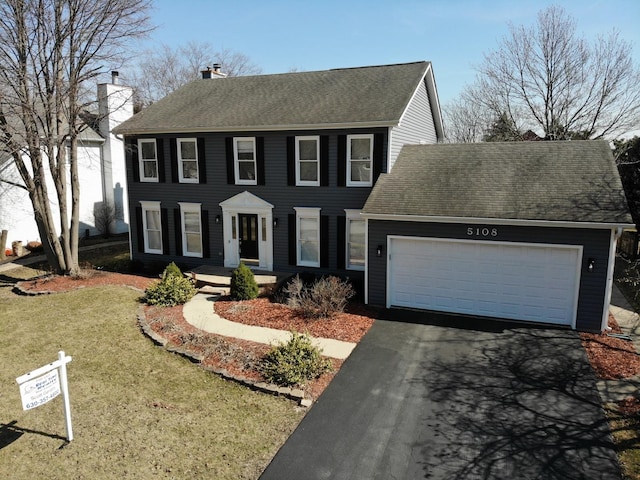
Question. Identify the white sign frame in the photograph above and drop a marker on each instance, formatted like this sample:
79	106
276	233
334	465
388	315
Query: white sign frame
44	384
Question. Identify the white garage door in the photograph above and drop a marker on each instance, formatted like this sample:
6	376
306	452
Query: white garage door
532	282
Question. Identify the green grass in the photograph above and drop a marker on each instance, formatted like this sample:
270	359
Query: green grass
138	411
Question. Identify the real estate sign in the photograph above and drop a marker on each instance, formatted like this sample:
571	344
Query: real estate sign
40	390
46	383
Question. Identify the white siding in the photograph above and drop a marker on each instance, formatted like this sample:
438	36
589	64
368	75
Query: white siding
416	125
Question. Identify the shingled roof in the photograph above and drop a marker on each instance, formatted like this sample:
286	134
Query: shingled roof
364	96
569	181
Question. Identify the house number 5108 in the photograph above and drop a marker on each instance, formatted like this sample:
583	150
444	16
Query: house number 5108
482	232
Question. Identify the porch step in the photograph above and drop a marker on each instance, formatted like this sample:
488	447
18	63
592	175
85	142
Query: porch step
261	280
214	290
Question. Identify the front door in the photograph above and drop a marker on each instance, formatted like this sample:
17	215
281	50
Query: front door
248	237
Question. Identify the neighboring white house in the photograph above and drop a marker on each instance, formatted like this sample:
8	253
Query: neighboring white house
101	173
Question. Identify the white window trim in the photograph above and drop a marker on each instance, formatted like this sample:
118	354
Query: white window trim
190	208
351	183
352	215
308	183
307	212
236	161
150	206
181	177
143	178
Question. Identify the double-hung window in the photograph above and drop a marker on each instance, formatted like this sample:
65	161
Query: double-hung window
191	229
308	236
359	160
308	161
152	227
244	152
355	239
188	160
148	157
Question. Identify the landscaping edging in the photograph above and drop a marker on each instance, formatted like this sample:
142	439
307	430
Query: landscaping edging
195	357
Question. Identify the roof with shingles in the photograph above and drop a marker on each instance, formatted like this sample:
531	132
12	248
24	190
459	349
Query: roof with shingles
567	181
376	95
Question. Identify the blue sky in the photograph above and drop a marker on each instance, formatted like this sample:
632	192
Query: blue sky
279	35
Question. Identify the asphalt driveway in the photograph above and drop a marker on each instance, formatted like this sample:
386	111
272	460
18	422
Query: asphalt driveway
452	398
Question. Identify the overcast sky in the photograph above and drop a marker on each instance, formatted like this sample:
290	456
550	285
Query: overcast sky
279	35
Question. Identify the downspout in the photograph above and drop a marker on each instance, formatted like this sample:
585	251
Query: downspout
615	235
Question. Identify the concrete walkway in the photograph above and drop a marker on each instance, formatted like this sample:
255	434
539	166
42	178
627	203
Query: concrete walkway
199	312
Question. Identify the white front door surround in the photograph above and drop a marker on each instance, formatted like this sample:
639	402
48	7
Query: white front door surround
247	203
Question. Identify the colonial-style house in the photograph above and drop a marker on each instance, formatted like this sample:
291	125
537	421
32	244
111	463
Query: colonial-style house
336	171
101	172
272	170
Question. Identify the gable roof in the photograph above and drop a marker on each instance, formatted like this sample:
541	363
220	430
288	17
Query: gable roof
364	96
564	181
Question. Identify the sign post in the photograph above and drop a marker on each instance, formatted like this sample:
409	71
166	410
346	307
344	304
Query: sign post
46	383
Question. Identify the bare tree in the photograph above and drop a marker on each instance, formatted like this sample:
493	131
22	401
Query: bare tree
466	120
548	79
164	70
50	50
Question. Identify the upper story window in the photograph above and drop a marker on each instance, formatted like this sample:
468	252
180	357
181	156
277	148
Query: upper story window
152	227
188	160
148	155
308	161
191	229
308	236
355	237
244	152
359	160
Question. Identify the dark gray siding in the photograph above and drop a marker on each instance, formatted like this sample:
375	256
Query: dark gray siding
332	199
595	245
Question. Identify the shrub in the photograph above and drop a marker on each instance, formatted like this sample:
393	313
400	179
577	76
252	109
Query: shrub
324	298
294	362
172	269
171	290
243	283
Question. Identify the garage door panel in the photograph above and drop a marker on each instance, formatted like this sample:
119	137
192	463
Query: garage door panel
506	280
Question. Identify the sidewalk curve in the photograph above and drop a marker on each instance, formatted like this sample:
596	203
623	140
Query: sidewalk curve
199	312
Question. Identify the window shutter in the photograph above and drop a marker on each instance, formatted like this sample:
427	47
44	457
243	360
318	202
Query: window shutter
206	250
164	218
342	242
231	176
139	230
378	154
160	153
133	159
177	221
324	241
342	160
293	247
324	161
260	160
173	151
202	163
291	161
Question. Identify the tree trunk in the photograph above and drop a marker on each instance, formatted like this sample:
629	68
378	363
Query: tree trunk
3	244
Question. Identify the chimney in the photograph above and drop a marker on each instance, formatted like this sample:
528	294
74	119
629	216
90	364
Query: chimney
114	77
213	72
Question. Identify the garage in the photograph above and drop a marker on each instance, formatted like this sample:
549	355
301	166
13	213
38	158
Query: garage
521	231
532	282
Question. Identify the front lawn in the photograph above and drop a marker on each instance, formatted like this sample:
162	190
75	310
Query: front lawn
138	412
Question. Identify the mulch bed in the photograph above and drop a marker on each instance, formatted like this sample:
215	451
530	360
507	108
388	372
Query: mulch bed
611	358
